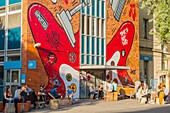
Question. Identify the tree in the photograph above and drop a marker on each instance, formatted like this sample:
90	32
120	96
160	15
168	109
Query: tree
161	13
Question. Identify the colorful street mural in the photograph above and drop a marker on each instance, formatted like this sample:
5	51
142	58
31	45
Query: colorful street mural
51	36
58	43
122	43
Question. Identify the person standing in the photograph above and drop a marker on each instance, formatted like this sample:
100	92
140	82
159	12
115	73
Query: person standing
16	98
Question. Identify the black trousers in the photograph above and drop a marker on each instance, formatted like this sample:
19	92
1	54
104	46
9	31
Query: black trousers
15	103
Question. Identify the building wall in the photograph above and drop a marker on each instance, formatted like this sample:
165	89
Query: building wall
54	48
152	52
57	60
123	39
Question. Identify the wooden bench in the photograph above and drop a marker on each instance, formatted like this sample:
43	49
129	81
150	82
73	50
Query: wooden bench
24	107
1	106
112	96
9	108
57	103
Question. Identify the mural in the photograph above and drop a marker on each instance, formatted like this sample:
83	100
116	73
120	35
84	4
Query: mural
51	36
58	44
121	42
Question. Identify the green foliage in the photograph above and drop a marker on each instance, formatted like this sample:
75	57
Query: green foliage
161	13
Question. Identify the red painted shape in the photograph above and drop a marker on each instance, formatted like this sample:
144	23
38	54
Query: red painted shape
55	46
122	41
66	1
132	12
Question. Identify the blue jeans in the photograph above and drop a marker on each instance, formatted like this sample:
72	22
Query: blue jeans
9	101
95	93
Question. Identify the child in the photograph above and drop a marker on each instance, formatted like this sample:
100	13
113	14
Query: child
70	92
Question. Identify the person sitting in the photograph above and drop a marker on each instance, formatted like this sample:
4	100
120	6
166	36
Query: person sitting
16	98
166	92
92	91
114	84
28	89
139	92
101	92
109	87
42	94
33	97
7	97
54	93
23	95
145	93
70	92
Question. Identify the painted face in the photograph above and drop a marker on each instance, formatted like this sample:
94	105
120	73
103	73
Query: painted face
52	58
112	63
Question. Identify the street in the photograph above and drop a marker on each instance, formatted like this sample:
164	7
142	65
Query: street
98	106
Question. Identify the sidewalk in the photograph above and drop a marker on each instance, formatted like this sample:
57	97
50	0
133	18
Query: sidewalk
98	106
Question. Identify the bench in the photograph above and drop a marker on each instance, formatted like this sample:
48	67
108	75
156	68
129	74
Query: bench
58	103
24	107
9	108
112	96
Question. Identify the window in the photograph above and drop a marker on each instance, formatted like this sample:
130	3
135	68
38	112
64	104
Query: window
1	82
2	10
2	3
145	29
2	39
14	37
14	1
13	58
98	8
82	28
1	58
2	32
88	26
2	22
93	7
14	7
98	27
14	31
14	20
93	33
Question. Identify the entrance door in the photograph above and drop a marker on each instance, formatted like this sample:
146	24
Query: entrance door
13	79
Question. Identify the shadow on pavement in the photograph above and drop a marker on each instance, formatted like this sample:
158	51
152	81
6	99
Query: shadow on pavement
158	109
81	102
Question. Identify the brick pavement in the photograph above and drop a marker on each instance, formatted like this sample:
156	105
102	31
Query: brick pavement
122	106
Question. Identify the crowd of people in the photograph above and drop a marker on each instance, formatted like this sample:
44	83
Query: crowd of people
25	93
142	90
99	92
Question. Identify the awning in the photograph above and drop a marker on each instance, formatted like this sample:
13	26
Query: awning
106	67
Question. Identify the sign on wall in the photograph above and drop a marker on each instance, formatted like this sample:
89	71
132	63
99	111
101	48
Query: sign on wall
31	64
23	78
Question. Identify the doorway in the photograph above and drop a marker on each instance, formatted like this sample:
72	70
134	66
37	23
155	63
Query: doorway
13	79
